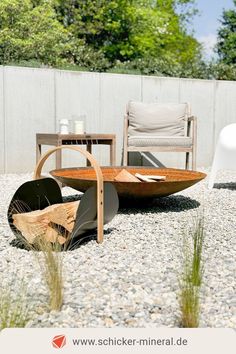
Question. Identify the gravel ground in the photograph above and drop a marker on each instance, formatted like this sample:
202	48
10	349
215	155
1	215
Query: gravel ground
132	278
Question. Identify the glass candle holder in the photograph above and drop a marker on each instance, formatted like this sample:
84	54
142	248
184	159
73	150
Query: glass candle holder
79	127
79	124
64	126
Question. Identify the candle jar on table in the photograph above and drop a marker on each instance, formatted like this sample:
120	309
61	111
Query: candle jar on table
64	126
79	124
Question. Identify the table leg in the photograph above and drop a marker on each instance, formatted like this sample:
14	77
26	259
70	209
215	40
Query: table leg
58	159
113	152
89	149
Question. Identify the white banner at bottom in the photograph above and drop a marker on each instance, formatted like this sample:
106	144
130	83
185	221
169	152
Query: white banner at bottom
117	340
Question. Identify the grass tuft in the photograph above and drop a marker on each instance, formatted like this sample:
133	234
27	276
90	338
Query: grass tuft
189	305
49	257
197	264
192	274
14	308
50	260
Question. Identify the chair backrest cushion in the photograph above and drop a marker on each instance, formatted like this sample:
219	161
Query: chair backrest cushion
162	119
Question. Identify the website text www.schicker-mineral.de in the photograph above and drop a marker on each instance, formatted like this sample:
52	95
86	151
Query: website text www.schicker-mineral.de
123	341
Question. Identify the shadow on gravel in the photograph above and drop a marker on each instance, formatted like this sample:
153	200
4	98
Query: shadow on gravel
74	244
71	198
86	238
172	203
175	204
230	185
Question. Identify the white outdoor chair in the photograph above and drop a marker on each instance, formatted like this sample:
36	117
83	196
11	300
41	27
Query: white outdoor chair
225	153
160	127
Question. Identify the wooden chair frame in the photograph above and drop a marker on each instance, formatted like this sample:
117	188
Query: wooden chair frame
191	132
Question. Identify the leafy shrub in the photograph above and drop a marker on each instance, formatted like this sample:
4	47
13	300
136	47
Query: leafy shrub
31	32
89	58
222	71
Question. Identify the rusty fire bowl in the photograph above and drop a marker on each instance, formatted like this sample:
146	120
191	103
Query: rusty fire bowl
176	180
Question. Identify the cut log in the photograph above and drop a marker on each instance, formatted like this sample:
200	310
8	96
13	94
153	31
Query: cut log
125	176
155	177
64	214
150	178
52	235
39	222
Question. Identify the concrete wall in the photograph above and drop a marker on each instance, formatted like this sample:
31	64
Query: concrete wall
34	100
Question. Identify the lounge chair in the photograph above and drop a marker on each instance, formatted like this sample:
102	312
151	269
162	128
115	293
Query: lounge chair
159	127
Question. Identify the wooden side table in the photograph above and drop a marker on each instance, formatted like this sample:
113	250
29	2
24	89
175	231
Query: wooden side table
76	139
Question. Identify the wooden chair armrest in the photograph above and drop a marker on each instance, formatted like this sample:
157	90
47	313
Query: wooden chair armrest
191	119
126	124
125	140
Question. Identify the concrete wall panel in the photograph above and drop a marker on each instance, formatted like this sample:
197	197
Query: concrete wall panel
163	90
200	95
29	108
156	89
225	105
116	91
78	93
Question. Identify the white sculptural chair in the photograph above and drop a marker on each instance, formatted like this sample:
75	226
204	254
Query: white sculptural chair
225	153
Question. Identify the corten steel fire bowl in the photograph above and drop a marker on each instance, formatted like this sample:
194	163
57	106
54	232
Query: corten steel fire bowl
176	180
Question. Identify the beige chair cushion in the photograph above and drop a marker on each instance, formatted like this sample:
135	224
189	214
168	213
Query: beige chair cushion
157	119
145	141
